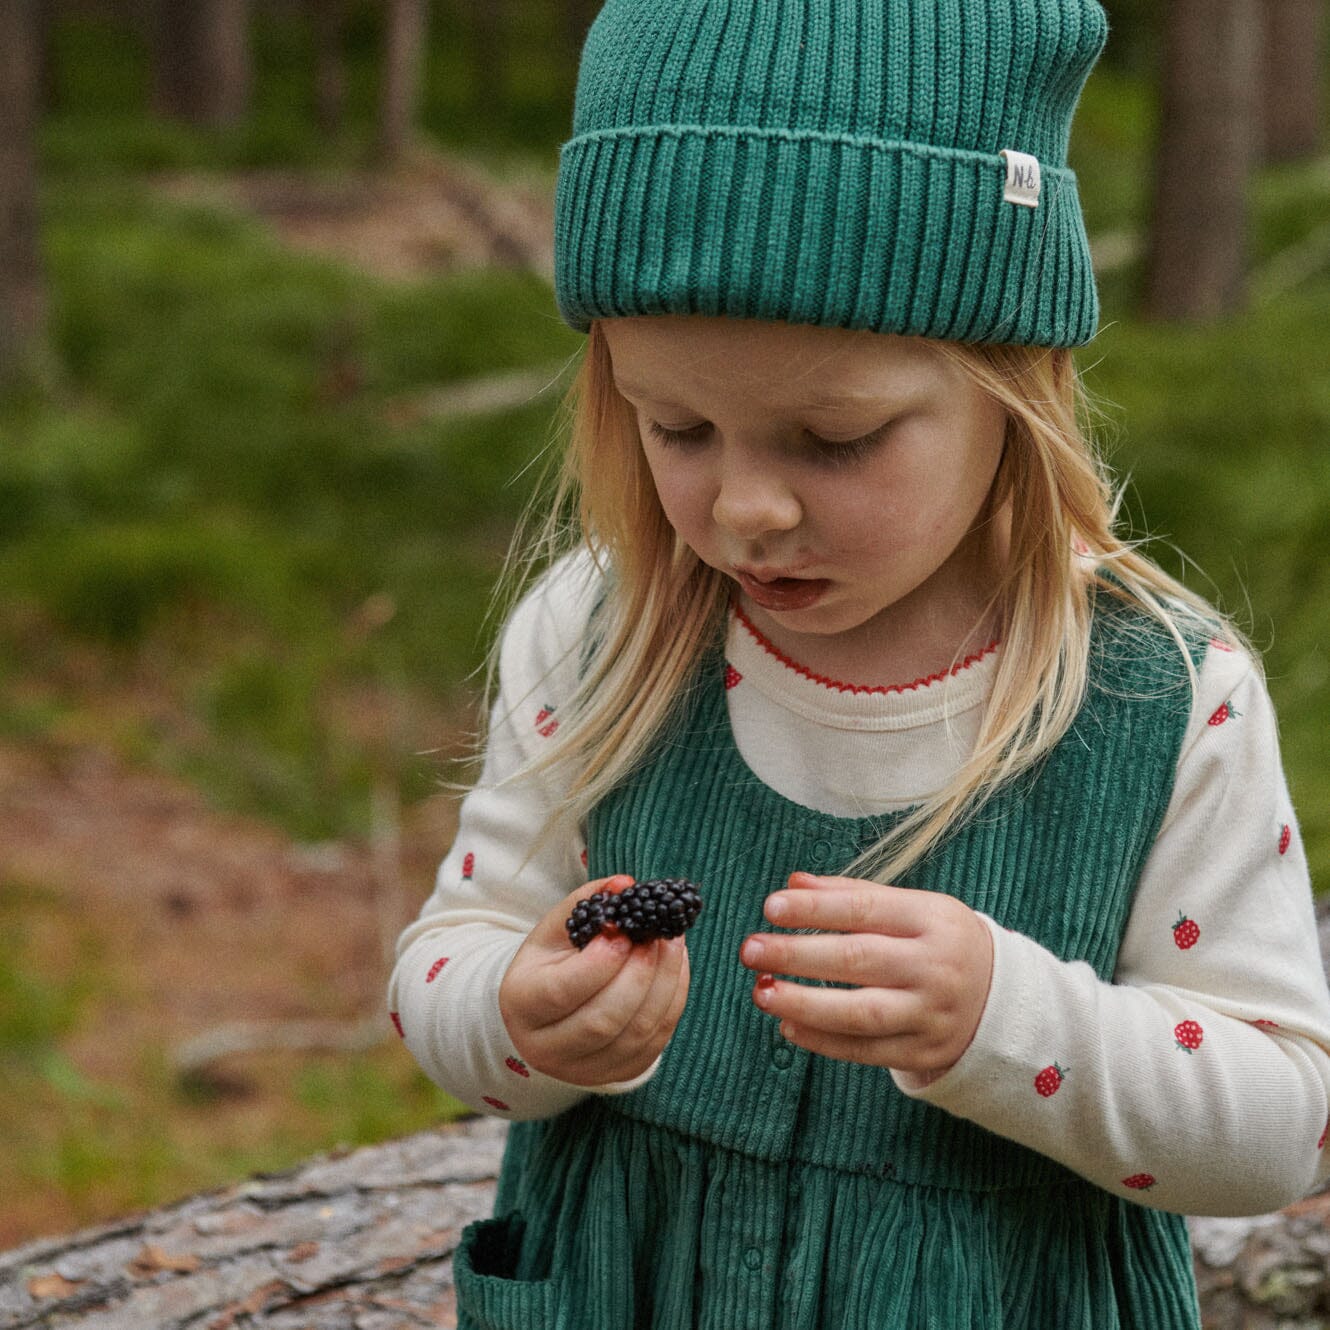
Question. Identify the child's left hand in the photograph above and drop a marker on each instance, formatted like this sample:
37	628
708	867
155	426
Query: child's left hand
921	962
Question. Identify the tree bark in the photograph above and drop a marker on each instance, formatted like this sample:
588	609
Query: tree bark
1293	82
1210	120
405	29
202	66
363	1239
22	286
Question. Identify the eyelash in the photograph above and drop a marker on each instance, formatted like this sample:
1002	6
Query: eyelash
830	453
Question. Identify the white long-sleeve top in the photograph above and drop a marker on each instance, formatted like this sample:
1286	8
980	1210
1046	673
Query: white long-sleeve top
1197	1081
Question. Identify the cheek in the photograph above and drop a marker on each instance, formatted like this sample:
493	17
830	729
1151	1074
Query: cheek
908	511
679	489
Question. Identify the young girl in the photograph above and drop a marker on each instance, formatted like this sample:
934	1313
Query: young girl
1007	958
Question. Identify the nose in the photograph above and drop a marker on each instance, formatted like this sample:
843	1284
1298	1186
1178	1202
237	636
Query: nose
752	500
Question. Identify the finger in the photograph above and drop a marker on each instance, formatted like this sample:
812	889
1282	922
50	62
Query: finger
542	991
622	1061
896	1053
552	929
847	905
652	1016
635	1057
860	1013
875	959
680	999
602	1019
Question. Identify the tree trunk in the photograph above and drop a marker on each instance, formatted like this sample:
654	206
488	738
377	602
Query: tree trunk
328	18
22	288
487	51
1209	127
48	87
405	29
579	15
202	63
1293	78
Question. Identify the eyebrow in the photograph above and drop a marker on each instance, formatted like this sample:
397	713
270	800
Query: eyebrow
839	401
822	402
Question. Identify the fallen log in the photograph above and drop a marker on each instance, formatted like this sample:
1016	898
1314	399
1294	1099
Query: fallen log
358	1239
364	1240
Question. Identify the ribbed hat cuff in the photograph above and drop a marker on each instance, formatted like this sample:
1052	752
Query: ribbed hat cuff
811	227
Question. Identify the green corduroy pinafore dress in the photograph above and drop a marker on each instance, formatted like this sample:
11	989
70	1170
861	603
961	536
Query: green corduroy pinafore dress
752	1184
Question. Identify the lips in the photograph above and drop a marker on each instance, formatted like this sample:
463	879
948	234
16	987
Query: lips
782	593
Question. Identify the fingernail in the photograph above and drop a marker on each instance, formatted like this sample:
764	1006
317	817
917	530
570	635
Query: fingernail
802	879
763	989
777	908
751	952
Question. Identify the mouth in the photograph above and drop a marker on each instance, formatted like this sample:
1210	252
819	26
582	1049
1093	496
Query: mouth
774	592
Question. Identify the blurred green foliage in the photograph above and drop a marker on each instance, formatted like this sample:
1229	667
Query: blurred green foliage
220	475
1218	433
225	480
1133	34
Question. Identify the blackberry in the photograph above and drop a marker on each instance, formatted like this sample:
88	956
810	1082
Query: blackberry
587	919
663	907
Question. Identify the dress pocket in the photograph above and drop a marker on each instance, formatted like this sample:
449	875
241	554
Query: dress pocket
489	1296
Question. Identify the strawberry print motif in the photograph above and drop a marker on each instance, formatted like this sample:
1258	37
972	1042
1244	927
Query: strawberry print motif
1139	1181
468	867
397	1024
1224	711
1320	1145
1049	1081
545	722
732	676
496	1103
1189	1035
584	858
435	968
1285	838
1266	1025
1220	645
1186	933
517	1065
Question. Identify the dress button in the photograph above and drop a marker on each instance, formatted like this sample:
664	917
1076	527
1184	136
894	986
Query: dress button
752	1258
821	851
782	1055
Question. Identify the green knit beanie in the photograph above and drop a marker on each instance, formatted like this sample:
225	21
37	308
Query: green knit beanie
897	165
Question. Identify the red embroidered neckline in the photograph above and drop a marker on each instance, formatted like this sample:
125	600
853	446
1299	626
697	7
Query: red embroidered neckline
838	686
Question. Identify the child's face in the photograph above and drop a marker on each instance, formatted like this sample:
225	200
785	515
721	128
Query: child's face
840	479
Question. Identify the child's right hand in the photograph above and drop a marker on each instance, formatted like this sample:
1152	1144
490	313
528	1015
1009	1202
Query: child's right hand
595	1016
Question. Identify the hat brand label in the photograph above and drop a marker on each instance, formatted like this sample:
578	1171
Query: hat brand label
1023	179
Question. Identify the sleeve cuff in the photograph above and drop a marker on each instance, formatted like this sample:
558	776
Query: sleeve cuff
624	1087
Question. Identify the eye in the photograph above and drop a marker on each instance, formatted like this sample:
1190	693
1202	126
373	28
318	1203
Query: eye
677	438
831	453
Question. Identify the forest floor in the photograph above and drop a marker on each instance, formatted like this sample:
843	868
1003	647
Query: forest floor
434	213
150	917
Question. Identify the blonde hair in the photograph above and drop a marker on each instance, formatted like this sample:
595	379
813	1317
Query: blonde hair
663	607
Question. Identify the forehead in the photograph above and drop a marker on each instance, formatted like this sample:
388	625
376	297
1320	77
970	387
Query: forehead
794	366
